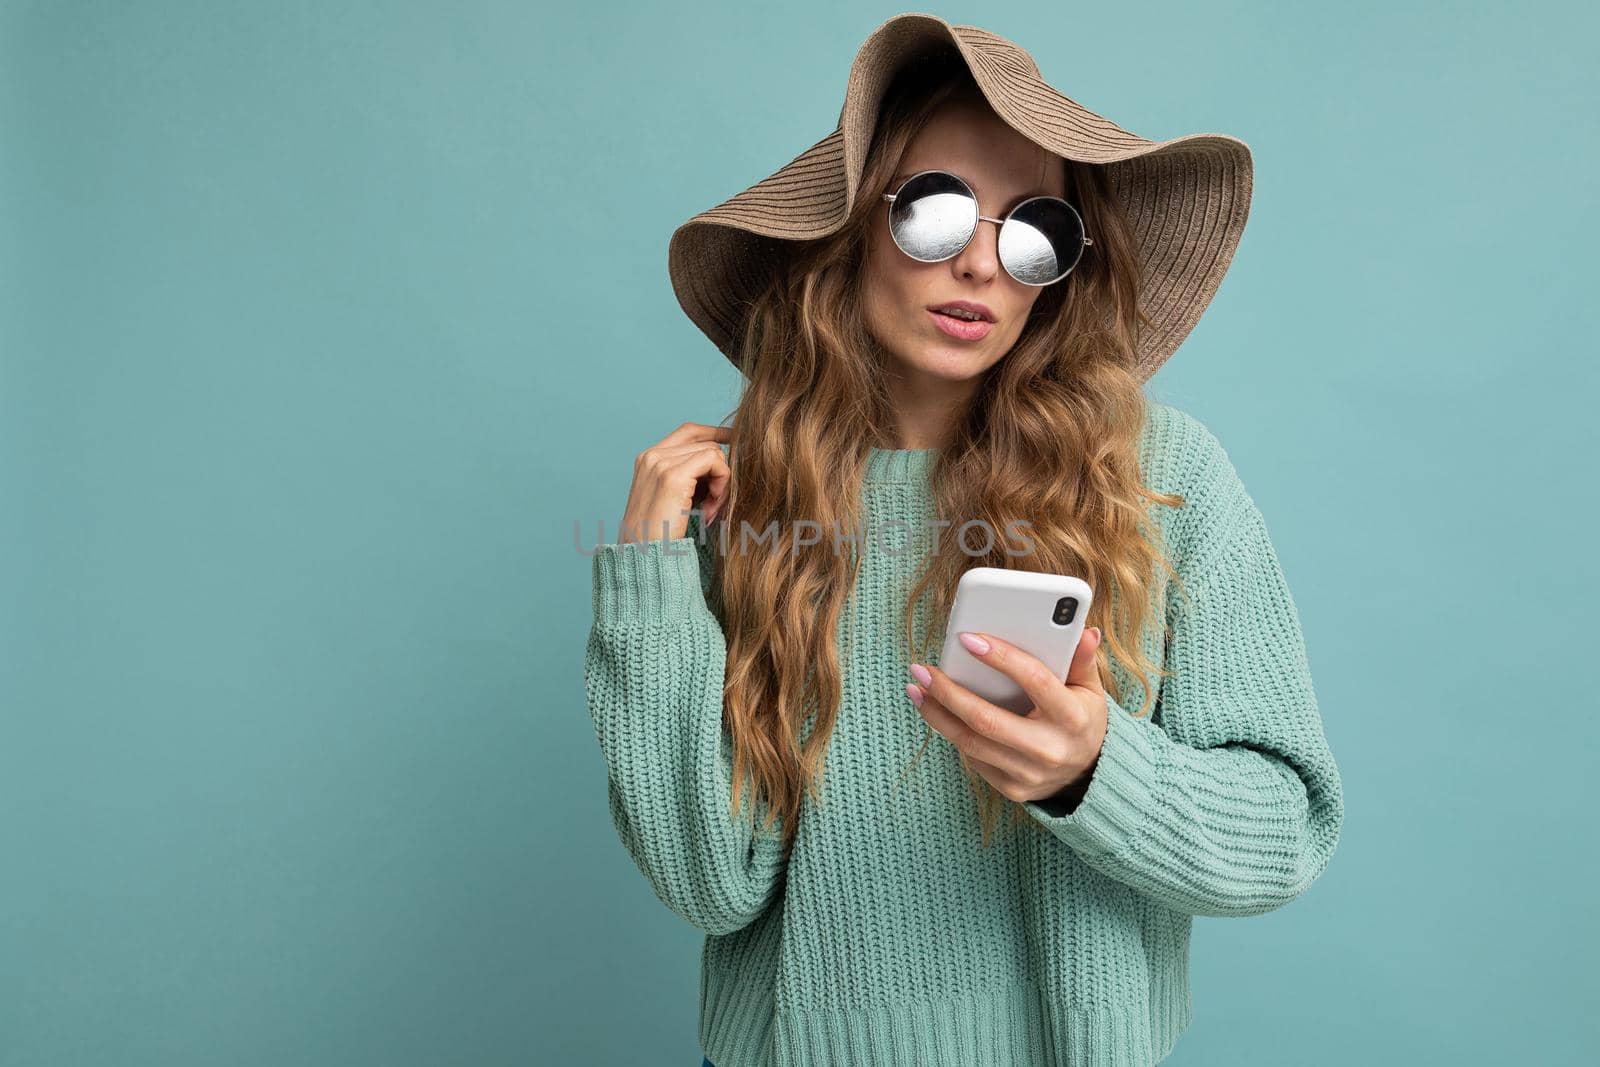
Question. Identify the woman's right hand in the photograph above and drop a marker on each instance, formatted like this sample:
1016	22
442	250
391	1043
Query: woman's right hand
667	477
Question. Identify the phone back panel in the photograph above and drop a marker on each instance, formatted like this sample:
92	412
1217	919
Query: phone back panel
1019	607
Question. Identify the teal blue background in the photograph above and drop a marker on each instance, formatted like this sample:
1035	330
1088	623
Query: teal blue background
322	325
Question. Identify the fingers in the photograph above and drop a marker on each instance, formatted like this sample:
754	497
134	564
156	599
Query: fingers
986	730
692	432
671	471
1008	785
666	478
699	463
1035	679
968	741
1083	672
665	458
675	469
718	474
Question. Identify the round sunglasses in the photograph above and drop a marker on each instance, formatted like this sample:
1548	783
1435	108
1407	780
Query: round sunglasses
934	215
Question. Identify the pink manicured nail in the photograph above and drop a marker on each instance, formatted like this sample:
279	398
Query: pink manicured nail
921	674
974	643
914	693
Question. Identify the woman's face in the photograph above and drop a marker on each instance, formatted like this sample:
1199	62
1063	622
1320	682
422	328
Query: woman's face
1002	167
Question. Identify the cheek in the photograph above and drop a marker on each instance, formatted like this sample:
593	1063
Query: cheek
882	273
889	285
1020	308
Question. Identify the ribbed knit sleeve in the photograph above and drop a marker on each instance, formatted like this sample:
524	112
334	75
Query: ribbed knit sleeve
1229	801
653	675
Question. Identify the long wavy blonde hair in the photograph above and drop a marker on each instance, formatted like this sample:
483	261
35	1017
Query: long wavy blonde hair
1052	434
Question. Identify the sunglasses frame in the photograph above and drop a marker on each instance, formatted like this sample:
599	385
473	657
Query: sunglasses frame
1001	222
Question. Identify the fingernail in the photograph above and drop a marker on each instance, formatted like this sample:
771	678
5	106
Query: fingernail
974	643
914	693
920	673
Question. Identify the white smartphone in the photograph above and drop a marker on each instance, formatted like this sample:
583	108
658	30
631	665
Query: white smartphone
1043	614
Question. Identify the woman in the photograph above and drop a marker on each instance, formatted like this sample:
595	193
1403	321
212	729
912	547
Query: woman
763	679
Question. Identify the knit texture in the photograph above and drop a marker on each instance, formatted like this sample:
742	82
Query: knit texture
890	935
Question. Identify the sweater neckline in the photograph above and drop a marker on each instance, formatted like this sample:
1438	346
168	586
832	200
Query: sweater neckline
892	465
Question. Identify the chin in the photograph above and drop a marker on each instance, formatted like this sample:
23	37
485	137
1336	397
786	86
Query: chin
928	352
951	362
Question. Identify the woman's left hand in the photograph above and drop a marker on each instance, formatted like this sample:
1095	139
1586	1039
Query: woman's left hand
1050	751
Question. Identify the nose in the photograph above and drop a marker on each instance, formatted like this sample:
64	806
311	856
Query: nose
980	260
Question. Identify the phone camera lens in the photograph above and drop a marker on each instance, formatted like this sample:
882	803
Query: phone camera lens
1066	610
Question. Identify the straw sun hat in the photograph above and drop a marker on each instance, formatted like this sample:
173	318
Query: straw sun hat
1186	198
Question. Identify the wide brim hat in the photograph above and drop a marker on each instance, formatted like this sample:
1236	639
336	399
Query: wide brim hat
1186	199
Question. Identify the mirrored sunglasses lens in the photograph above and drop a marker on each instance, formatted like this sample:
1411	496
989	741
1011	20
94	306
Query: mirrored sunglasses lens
1041	242
932	217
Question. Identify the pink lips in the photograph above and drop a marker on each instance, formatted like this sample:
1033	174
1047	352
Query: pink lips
961	329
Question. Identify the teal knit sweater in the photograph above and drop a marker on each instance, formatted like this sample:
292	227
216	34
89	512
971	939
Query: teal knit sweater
889	935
